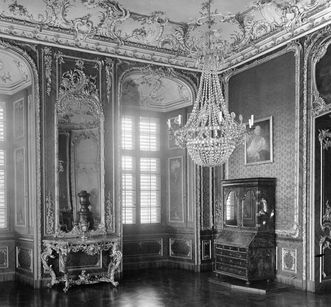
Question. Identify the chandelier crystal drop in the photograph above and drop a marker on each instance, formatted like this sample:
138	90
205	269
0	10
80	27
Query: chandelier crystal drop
211	133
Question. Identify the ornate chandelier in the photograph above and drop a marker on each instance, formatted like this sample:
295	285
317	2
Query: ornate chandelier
211	133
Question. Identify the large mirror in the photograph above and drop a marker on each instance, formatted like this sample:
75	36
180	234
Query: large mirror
79	146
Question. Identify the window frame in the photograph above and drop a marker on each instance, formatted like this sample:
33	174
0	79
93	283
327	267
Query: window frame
137	155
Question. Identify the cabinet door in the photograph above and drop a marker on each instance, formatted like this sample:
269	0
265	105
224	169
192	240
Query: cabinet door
248	204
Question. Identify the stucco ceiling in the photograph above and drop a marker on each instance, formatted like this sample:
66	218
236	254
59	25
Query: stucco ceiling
14	74
164	31
184	10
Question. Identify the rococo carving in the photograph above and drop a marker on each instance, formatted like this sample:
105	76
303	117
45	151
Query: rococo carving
47	53
106	26
109	213
50	214
62	248
324	137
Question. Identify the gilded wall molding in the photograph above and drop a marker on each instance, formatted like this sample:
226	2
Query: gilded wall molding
296	48
49	215
4	264
48	62
315	47
324	138
109	213
109	67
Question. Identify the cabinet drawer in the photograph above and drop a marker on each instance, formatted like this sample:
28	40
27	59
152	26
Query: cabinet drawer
232	261
231	269
230	253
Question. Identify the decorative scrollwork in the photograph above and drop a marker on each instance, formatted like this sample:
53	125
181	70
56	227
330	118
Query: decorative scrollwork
109	77
324	137
109	209
325	239
78	93
47	52
62	248
50	214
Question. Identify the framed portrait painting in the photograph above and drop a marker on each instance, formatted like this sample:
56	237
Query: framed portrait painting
258	142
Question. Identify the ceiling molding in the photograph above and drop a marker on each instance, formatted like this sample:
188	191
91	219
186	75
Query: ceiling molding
105	27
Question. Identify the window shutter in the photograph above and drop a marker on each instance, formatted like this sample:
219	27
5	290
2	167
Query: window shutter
128	190
150	190
149	134
3	205
141	170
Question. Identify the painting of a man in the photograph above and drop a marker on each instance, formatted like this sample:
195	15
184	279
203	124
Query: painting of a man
259	142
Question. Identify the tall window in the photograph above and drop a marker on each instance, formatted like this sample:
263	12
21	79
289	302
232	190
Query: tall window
141	179
3	205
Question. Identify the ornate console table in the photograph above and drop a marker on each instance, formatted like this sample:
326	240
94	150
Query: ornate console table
61	249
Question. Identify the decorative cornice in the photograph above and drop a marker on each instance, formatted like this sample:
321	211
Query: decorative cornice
110	29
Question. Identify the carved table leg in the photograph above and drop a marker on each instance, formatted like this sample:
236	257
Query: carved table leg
66	282
115	260
48	253
63	268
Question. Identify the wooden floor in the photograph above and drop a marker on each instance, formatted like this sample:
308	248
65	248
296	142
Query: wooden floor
156	288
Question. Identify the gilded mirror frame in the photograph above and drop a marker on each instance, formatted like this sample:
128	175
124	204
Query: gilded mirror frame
77	90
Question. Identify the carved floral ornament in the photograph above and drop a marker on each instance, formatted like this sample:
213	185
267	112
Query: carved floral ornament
94	24
318	51
78	94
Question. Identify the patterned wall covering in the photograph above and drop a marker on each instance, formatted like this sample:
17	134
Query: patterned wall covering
259	92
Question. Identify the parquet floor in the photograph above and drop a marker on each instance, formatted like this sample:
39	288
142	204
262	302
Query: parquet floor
153	289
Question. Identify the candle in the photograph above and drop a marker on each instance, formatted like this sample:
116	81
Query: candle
251	121
179	119
169	123
220	117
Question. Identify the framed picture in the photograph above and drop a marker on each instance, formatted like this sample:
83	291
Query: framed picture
258	143
176	189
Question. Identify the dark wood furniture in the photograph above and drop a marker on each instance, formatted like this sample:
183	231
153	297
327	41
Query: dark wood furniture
245	245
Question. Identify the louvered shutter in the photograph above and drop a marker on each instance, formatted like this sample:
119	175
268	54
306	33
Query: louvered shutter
3	205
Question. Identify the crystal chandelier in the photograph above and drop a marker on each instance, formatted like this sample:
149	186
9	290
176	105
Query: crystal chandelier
211	133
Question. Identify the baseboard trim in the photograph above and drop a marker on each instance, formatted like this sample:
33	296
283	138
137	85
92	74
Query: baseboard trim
8	276
167	263
288	280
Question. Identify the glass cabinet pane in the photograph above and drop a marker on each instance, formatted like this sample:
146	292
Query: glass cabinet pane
231	207
248	209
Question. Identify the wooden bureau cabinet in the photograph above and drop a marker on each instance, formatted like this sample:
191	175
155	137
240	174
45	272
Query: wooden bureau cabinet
245	242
